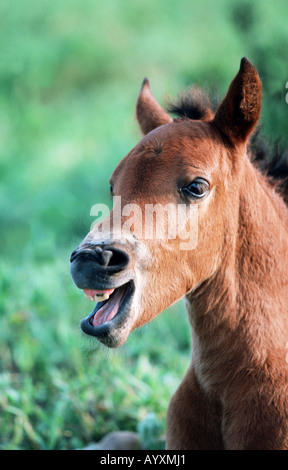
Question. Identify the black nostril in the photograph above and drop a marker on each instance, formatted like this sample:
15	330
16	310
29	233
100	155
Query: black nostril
111	257
119	259
82	252
94	266
73	255
105	257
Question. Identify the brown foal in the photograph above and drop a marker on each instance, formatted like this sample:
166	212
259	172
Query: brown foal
230	264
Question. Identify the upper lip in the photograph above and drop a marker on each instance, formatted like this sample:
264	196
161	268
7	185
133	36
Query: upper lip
88	274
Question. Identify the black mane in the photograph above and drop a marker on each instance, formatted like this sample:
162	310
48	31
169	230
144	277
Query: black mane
270	158
194	103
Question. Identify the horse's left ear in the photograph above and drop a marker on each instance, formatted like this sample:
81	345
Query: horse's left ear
240	110
148	112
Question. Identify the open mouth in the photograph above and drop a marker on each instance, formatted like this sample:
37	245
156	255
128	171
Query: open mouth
110	313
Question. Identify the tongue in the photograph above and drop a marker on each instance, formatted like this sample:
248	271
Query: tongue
92	292
110	307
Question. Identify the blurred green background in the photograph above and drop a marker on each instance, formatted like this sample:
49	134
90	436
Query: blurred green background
70	73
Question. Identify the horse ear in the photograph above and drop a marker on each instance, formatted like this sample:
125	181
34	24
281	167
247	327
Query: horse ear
239	112
148	112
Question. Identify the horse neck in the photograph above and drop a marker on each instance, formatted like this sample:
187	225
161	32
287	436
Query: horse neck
252	276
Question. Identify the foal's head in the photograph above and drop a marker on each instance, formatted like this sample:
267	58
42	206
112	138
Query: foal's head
176	196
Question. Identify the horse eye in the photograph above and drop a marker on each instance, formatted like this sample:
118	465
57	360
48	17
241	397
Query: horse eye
197	189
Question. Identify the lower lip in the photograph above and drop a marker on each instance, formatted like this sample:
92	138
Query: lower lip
105	330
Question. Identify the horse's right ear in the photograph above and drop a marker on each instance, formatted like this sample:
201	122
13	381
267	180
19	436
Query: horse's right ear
239	112
148	112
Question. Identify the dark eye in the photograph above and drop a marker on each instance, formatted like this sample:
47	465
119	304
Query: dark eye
197	189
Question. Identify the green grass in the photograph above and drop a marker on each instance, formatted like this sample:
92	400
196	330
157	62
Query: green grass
70	73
